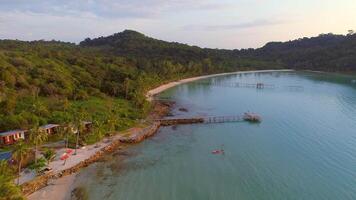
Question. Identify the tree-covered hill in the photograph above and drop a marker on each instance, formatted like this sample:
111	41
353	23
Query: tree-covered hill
327	52
44	80
132	43
138	46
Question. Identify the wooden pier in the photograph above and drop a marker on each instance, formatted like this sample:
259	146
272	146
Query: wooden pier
176	121
240	85
252	85
223	119
209	120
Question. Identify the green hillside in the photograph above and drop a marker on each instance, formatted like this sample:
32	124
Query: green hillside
45	81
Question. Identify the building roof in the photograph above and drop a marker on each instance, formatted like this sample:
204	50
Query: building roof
49	126
12	132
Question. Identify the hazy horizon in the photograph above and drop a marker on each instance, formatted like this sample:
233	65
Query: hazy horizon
223	24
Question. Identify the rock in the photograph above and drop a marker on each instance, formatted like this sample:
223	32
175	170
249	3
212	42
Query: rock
141	135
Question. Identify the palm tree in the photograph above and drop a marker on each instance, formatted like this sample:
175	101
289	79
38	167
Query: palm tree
8	190
99	128
37	136
127	85
21	150
66	127
112	121
64	130
5	171
79	127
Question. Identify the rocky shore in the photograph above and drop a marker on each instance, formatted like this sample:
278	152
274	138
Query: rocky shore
142	134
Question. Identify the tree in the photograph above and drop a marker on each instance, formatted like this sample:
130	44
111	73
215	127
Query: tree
49	155
79	126
64	130
112	121
20	152
37	136
99	129
127	85
9	104
40	163
8	190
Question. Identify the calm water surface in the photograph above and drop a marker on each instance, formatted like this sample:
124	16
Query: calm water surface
305	148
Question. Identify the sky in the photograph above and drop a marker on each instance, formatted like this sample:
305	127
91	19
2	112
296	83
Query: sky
228	24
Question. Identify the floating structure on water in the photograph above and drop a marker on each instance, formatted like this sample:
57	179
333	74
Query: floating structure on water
251	117
218	151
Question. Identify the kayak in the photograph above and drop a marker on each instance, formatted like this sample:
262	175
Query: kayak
217	152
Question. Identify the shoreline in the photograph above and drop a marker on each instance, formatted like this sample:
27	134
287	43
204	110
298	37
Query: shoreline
61	187
153	92
59	184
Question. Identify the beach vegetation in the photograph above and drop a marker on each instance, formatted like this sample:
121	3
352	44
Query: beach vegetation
38	164
49	155
20	152
8	190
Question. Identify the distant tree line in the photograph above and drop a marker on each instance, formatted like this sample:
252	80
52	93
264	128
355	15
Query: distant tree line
326	52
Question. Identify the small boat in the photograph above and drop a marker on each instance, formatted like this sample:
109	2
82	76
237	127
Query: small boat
251	117
218	151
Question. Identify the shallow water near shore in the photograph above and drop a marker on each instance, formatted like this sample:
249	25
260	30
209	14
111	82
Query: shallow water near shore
305	147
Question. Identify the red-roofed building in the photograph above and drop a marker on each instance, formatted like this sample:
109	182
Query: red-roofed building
11	137
50	128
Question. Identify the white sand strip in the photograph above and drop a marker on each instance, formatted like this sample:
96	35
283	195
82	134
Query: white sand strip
164	87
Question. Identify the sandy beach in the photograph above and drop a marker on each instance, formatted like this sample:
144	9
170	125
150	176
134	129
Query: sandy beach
60	189
151	93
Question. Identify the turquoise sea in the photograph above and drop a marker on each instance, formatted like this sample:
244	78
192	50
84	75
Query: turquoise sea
305	147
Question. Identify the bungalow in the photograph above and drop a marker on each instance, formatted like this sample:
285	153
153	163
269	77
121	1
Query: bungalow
50	128
86	127
11	137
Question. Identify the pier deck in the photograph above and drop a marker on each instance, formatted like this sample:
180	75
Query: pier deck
251	85
201	120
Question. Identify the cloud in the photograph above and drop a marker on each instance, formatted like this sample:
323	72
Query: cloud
244	25
35	26
110	8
